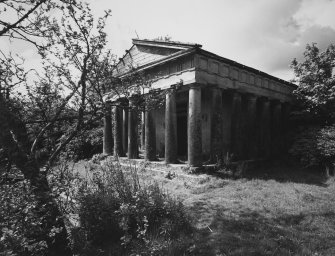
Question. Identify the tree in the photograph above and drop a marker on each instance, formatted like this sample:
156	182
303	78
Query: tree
316	81
71	47
65	100
29	20
315	76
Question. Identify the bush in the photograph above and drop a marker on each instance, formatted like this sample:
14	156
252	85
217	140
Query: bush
116	210
19	227
86	144
315	146
22	229
109	212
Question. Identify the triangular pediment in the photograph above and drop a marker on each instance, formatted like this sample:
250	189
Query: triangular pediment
144	52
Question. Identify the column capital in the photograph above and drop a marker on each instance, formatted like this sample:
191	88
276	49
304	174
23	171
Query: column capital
216	88
263	99
251	96
177	86
195	86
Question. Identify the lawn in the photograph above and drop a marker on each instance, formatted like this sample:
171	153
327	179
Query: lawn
272	212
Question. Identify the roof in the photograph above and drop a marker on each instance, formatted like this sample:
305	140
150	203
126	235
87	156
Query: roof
166	43
178	49
144	53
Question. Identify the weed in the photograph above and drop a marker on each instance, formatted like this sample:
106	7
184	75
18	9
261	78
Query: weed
115	209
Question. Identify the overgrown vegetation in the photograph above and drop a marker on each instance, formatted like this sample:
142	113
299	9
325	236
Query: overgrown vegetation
280	211
111	211
315	146
19	225
120	213
315	138
87	144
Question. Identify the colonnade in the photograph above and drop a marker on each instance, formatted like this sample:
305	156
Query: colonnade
247	125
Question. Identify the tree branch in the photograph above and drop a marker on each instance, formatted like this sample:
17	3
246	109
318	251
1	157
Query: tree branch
25	16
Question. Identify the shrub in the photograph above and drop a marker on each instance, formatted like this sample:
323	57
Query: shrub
117	214
116	209
315	146
86	144
19	226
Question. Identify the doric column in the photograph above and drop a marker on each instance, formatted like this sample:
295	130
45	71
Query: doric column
286	109
125	129
170	128
108	133
118	147
251	131
227	122
264	132
194	138
150	136
143	129
276	125
236	133
132	131
216	125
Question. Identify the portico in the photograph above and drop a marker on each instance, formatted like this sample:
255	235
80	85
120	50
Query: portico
212	106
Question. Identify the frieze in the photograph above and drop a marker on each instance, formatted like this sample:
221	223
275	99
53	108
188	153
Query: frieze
203	63
214	67
252	79
258	81
224	70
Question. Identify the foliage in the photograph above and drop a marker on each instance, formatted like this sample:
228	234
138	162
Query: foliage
19	225
315	146
87	144
117	210
22	229
57	106
316	80
28	20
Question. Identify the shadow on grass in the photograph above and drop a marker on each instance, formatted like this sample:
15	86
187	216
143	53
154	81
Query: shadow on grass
287	173
252	234
279	171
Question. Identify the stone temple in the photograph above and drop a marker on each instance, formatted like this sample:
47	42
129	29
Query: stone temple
220	107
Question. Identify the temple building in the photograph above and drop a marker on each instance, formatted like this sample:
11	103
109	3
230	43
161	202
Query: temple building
213	106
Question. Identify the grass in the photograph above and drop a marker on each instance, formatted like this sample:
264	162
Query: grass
257	217
272	212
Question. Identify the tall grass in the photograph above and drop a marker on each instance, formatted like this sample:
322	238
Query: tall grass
121	214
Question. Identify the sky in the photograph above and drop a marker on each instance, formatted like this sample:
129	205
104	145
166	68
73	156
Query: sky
263	34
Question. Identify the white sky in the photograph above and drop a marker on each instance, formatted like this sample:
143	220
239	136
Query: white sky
264	34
